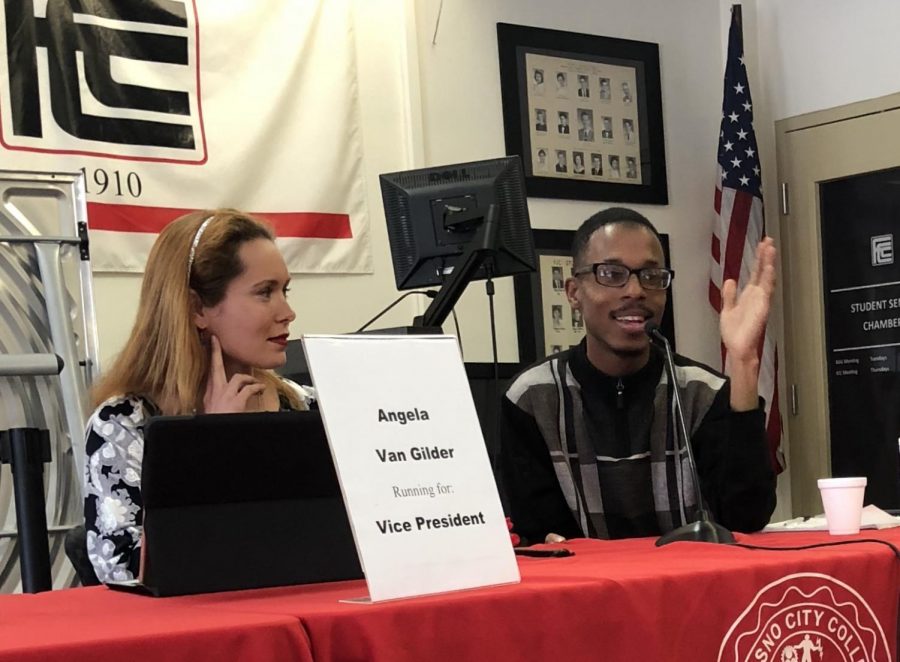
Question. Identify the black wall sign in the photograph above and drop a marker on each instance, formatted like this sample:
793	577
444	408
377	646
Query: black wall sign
860	240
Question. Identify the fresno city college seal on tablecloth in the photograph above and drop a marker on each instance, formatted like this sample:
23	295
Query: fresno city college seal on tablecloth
806	617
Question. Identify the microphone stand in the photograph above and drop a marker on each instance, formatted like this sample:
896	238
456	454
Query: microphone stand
705	528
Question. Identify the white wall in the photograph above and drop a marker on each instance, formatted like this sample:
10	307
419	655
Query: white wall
809	55
463	120
818	54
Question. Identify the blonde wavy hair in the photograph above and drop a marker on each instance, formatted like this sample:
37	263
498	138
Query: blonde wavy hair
164	359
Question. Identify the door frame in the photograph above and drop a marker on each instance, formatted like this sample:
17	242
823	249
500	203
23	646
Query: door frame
806	362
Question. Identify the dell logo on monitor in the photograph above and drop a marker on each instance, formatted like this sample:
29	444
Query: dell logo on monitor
457	175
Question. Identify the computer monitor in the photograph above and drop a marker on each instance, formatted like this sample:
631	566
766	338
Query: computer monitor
433	215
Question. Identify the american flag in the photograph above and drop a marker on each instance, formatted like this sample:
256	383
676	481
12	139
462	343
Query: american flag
740	223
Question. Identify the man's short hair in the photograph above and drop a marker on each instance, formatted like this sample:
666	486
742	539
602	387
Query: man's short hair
611	216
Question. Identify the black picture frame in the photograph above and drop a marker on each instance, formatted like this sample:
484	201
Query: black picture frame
523	51
531	308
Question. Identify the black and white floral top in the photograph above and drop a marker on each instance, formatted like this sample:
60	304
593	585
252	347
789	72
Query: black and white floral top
113	509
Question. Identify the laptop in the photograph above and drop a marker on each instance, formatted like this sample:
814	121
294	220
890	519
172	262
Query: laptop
236	501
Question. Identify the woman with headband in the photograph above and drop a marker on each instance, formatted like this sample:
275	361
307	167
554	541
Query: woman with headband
211	324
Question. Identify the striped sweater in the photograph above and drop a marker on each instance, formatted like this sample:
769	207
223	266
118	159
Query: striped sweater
584	454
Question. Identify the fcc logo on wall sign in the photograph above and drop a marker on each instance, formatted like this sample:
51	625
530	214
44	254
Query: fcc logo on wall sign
105	77
882	250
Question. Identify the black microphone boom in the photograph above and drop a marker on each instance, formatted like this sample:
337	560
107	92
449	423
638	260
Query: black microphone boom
704	529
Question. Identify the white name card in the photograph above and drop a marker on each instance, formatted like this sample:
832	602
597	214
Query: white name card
412	463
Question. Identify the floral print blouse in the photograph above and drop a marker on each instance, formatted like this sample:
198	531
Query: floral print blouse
113	509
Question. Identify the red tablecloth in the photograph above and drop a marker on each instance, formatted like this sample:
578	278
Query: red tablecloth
620	600
98	624
624	600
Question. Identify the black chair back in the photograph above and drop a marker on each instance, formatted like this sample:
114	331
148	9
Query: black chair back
76	551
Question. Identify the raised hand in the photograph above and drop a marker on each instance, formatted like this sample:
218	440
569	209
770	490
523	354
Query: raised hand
744	316
225	395
742	325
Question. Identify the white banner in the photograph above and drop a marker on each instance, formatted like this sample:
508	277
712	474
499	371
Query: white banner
172	105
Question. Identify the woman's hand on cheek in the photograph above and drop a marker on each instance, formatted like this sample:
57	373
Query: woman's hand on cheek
223	395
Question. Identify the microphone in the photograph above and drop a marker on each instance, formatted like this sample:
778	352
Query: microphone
705	529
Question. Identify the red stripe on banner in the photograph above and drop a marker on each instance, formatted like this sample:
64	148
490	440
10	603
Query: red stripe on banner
105	155
132	218
717	204
737	236
716	249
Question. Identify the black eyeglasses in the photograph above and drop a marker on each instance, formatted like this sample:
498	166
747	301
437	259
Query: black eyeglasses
617	275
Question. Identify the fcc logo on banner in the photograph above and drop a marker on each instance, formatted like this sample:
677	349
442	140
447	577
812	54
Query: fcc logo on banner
882	250
104	77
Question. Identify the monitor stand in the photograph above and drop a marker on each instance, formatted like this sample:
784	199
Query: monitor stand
479	250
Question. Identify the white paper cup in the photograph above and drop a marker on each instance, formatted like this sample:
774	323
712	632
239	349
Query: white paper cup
843	501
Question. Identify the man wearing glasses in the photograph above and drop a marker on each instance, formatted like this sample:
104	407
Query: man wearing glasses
589	446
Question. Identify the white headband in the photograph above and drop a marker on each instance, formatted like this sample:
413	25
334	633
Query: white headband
195	242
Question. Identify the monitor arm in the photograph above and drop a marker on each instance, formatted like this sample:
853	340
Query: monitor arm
457	219
481	248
